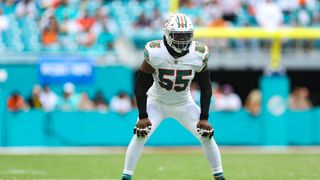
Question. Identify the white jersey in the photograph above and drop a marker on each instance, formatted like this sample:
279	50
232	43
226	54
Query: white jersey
172	77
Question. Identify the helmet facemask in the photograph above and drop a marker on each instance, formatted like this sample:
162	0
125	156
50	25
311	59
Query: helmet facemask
181	40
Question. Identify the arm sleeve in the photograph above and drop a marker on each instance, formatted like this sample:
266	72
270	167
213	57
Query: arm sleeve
142	84
206	93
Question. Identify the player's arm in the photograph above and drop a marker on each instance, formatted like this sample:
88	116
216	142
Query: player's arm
204	127
143	82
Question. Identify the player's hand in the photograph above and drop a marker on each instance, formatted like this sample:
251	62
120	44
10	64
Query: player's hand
143	127
205	129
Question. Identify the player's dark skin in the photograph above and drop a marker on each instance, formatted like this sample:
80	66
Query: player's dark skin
145	122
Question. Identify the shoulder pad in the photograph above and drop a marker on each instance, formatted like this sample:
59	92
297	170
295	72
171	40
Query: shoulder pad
152	52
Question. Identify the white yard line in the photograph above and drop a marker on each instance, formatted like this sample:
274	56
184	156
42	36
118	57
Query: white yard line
151	150
22	171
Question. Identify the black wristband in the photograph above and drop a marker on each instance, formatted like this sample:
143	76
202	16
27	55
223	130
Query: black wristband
143	115
204	116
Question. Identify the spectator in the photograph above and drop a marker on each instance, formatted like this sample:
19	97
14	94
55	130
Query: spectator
4	21
212	14
48	99
230	10
287	7
253	102
63	8
105	29
104	23
299	99
269	15
157	19
34	101
100	102
50	33
216	94
121	103
8	7
216	90
212	17
90	6
85	103
303	16
86	21
69	101
49	36
26	8
16	102
69	26
246	15
142	22
46	4
87	38
190	8
228	101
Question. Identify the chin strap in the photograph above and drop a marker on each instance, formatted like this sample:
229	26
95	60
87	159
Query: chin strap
177	50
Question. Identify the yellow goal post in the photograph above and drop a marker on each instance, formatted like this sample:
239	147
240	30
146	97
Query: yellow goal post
255	33
259	33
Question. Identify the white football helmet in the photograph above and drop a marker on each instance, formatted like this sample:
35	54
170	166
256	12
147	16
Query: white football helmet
178	31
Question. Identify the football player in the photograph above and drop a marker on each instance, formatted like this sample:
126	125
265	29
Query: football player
162	90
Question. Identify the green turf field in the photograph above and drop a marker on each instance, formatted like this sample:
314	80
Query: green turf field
161	167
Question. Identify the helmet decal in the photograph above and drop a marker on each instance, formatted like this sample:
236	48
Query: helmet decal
185	21
178	21
182	21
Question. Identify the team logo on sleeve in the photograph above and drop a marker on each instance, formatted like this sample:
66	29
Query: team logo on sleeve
154	44
200	47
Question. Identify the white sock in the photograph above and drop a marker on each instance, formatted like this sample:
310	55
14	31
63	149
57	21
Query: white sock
212	153
133	154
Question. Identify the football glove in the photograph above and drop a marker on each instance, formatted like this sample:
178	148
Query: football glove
205	133
142	128
142	132
204	129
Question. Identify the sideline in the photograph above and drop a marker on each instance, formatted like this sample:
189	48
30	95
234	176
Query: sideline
161	150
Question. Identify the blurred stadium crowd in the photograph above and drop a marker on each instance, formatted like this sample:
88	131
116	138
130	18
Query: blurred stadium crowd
43	98
265	13
67	25
224	99
95	25
268	14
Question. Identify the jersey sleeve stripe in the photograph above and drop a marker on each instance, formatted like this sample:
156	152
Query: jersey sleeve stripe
146	55
205	59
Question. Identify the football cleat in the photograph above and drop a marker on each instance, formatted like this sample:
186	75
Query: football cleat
126	177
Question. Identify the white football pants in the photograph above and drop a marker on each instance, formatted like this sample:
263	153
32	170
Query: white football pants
188	116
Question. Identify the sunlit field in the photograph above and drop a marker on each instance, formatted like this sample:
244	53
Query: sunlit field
160	166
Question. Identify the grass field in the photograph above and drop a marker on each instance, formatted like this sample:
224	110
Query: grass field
160	166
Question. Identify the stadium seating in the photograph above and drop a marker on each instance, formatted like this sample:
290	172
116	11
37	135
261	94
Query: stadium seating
24	33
